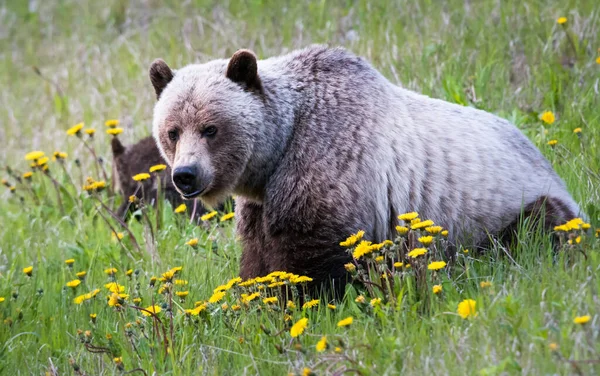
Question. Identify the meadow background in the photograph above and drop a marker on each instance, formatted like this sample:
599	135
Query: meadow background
66	62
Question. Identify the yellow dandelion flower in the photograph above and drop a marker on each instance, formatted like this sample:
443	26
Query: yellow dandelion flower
310	304
398	265
437	289
208	216
376	302
42	161
90	131
360	299
34	155
60	155
81	275
111	123
182	294
75	130
547	117
436	265
444	233
110	271
322	344
27	175
350	267
180	209
300	279
577	130
290	305
192	242
141	177
115	300
467	308
598	60
137	300
129	272
553	346
561	20
153	308
227	217
70	262
114	287
352	239
247	298
485	284
379	259
331	306
28	270
299	327
114	131
158	167
271	300
181	282
586	226
345	322
552	142
422	224
236	307
407	217
426	240
417	252
582	319
74	283
401	230
362	249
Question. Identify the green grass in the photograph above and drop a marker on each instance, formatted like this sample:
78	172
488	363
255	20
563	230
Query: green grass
510	58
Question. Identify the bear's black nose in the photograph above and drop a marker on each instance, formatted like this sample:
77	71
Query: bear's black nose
184	178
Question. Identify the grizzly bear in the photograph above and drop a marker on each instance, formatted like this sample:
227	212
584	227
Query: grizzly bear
317	145
137	158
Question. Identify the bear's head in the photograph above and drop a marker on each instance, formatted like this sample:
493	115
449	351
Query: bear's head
206	124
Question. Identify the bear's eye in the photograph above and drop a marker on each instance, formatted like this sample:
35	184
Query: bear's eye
209	131
173	135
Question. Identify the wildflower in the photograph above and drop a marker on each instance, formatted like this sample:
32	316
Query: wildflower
116	300
379	259
270	300
192	242
110	271
338	350
119	235
561	20
375	302
426	240
114	131
227	217
398	265
401	230
80	299
421	225
248	298
158	167
90	132
582	319
299	327
547	117
290	304
307	372
75	130
180	209
2	299
331	306
444	233
434	230
176	269
437	289
485	284
310	304
236	307
74	283
28	271
417	252
598	60
70	262
553	346
34	155
111	123
58	155
27	175
137	300
466	308
407	217
182	294
114	287
345	322
141	177
153	308
300	279
350	267
93	317
208	216
108	336
129	272
217	297
364	248
181	282
436	265
352	239
167	276
577	131
42	161
360	299
552	142
322	344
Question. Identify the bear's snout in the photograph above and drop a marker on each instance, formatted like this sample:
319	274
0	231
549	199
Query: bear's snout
189	181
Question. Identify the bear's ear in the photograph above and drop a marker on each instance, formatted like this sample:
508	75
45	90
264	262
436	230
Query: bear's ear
160	75
117	147
243	69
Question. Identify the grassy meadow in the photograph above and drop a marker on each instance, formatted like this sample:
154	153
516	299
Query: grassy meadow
81	293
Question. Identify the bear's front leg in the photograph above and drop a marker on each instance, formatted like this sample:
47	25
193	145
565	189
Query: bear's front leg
250	230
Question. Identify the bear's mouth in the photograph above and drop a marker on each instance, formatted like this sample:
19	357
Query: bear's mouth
192	195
